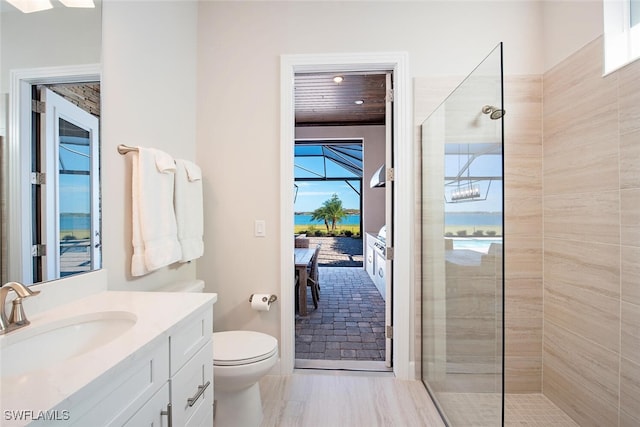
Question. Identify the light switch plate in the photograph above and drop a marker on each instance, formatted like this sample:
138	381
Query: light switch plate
260	228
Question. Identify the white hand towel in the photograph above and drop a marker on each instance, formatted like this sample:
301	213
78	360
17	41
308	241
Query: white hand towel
155	238
189	209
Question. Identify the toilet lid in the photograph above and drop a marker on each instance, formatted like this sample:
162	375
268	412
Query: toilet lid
242	347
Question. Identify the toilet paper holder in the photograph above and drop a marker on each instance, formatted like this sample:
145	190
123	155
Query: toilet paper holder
272	298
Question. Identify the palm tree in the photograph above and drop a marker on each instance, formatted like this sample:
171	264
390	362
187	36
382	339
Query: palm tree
320	214
334	211
331	211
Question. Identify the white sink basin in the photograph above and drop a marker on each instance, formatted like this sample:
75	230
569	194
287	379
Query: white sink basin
35	347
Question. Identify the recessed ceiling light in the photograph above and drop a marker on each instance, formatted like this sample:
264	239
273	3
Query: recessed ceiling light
359	102
338	79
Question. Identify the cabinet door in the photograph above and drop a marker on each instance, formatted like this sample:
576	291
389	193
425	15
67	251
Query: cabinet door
191	336
370	253
154	413
379	281
192	390
114	399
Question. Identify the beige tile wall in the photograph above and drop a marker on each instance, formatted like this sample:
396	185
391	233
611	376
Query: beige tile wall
577	195
523	233
591	181
523	222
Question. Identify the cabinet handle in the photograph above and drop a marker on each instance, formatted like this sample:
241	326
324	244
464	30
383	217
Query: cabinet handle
201	388
169	414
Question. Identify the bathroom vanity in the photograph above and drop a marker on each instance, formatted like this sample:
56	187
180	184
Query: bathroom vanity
112	358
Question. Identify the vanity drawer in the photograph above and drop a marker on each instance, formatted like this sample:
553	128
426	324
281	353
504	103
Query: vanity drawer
153	412
189	338
192	390
116	401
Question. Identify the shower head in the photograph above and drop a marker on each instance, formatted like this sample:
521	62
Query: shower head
495	113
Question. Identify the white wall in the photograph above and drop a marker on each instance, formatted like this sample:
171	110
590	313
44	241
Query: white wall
55	37
568	26
240	44
149	99
202	82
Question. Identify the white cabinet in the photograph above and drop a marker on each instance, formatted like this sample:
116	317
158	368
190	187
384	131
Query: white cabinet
190	378
192	391
192	373
380	265
153	412
369	258
370	254
113	400
376	263
174	377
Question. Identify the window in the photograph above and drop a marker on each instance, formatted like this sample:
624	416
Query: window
621	33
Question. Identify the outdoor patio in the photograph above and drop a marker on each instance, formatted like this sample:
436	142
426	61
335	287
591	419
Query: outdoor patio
350	319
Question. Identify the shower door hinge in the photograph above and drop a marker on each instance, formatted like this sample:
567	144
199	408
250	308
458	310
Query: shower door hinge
389	174
389	253
38	178
37	106
389	332
38	249
389	97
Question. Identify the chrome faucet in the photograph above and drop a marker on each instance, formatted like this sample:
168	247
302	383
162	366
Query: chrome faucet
17	318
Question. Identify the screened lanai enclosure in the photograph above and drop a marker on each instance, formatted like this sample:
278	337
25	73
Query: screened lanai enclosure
335	164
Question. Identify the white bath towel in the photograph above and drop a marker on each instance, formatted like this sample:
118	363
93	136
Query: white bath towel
189	209
155	237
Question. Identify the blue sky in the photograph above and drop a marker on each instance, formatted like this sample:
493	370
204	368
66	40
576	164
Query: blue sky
74	189
311	195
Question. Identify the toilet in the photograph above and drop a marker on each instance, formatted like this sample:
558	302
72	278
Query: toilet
240	360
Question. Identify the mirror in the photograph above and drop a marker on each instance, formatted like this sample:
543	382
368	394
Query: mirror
56	47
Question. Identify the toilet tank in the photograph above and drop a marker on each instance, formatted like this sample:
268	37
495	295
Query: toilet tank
195	285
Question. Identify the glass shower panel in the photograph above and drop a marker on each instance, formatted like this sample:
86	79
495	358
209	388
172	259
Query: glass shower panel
462	250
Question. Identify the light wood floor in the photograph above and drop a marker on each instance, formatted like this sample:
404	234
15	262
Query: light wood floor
319	398
333	398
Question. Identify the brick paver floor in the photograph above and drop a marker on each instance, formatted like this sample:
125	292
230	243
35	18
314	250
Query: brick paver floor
338	251
349	321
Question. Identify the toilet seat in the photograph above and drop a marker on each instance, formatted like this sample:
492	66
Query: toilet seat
233	348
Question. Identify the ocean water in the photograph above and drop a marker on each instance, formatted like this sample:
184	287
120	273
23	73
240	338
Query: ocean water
306	219
450	218
75	222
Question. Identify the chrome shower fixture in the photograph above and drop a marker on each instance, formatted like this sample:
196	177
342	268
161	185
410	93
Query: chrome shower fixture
495	113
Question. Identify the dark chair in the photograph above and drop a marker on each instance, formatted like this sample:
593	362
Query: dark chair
295	292
313	279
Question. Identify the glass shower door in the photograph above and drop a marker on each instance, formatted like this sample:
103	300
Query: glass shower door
462	250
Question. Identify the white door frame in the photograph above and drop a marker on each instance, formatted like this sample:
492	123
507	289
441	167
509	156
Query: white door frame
403	274
19	157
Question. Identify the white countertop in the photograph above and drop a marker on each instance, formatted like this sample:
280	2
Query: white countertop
158	314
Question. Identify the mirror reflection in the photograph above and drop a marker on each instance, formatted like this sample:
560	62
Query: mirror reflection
50	193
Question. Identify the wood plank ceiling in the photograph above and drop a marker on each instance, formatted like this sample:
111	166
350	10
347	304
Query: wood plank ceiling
84	95
320	101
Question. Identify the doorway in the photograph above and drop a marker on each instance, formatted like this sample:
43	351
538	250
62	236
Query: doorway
20	189
65	155
345	327
401	294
